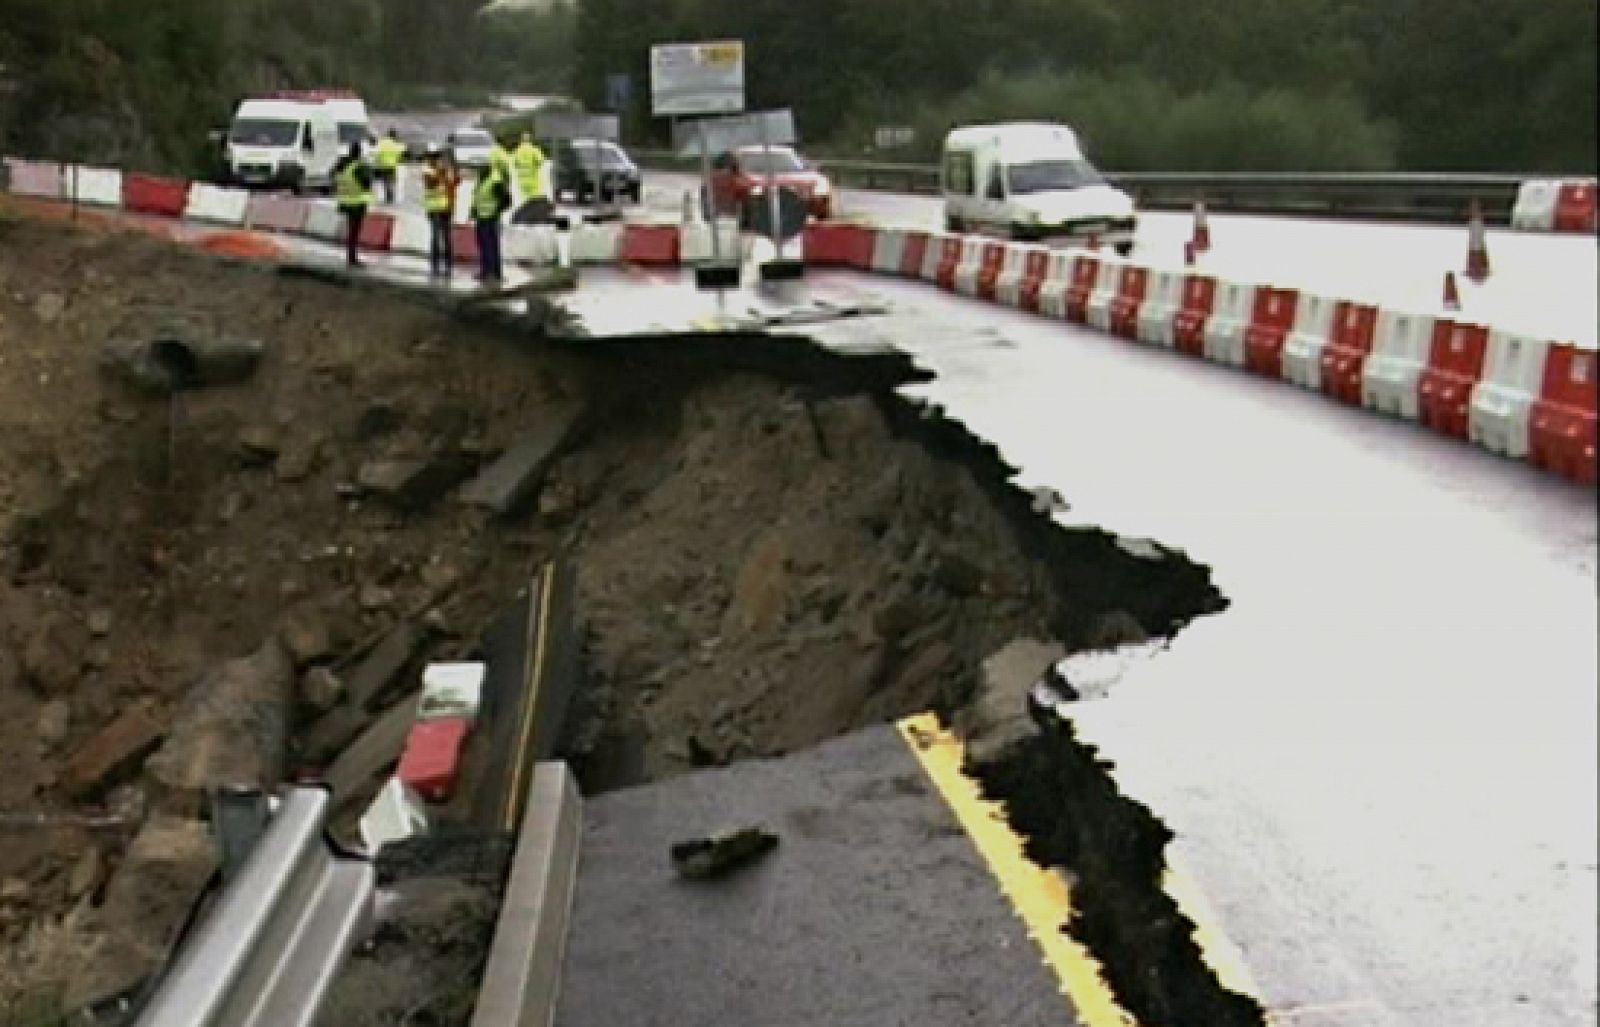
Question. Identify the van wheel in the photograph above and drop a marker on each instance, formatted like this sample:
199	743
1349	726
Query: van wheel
953	224
1124	249
1022	233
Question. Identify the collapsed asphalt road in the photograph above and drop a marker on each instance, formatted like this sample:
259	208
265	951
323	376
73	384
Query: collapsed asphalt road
774	549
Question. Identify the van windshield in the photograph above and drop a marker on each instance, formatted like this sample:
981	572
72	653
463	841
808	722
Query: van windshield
352	132
264	132
1046	175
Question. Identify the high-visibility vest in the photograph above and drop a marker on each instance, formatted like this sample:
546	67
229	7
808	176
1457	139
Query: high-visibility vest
389	153
529	162
348	189
500	159
485	203
438	191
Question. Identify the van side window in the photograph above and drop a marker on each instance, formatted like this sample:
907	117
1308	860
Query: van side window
958	172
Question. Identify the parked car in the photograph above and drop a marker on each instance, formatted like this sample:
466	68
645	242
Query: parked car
742	173
591	170
470	147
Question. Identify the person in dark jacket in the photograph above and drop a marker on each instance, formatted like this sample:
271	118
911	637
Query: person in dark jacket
491	198
352	189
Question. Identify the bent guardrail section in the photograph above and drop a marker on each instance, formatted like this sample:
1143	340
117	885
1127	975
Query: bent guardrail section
269	950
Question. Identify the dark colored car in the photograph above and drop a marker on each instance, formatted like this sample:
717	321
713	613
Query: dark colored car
594	170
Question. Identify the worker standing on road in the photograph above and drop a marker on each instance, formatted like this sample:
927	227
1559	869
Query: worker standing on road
439	182
500	160
528	160
491	198
352	190
529	163
390	151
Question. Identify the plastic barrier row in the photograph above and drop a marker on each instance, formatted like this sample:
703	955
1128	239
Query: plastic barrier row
382	230
1518	396
1554	205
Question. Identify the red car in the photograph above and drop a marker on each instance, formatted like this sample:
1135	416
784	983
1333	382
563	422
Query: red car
737	175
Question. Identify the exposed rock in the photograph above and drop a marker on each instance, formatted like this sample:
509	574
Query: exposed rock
14	889
998	715
49	306
304	634
759	598
375	598
55	719
321	689
86	872
147	904
99	622
259	443
112	751
52	658
231	730
414	483
297	458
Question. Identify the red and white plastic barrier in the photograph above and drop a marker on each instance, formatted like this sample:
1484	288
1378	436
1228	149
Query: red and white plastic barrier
1163	300
1561	431
216	204
1455	364
1344	359
36	178
1225	328
1399	353
888	250
1023	265
1189	323
1575	207
1555	205
1107	286
1129	300
1301	357
1513	375
1272	318
99	186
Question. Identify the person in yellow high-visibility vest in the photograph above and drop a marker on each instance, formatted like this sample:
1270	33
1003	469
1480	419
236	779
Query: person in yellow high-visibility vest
352	191
389	152
491	198
528	160
439	180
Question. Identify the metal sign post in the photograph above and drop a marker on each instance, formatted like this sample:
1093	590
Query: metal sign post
689	79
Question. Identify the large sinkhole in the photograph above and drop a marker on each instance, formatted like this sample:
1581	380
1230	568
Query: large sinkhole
771	548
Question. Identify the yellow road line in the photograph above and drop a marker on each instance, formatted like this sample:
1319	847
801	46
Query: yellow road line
1039	896
538	633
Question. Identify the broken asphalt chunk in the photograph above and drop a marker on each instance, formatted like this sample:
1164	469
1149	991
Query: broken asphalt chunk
720	854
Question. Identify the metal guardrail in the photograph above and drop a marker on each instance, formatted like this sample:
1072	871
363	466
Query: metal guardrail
522	977
1401	195
267	953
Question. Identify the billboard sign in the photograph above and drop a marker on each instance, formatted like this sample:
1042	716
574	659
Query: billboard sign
697	78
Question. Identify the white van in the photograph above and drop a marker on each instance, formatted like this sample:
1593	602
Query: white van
350	114
1030	180
283	143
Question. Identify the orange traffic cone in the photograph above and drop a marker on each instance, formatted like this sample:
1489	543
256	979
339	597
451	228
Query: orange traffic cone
1202	231
1477	244
1452	296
